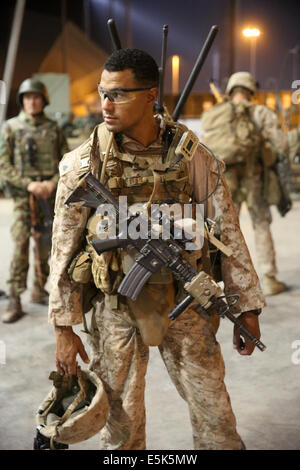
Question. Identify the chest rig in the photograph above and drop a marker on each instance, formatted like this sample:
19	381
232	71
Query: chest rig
143	175
35	151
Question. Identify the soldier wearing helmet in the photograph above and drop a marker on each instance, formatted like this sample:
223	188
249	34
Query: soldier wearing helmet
32	86
31	146
249	138
243	80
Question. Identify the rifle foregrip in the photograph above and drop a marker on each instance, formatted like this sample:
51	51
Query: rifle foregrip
181	307
108	244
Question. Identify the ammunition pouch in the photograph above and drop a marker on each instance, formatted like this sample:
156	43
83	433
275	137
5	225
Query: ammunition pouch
80	269
106	271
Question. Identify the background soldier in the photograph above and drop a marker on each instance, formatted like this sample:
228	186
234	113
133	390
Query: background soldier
141	150
31	147
249	138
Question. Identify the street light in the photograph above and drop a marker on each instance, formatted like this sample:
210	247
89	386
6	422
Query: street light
175	74
252	34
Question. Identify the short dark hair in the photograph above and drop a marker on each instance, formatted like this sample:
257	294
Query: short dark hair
143	66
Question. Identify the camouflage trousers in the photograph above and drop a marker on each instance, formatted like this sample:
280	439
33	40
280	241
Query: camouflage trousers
20	233
193	360
252	192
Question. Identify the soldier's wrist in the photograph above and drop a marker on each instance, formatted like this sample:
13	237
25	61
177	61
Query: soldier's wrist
255	312
61	329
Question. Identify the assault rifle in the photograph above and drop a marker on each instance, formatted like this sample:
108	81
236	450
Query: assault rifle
154	254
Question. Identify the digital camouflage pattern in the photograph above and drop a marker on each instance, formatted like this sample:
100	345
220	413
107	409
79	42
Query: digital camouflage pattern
188	346
194	362
20	233
18	169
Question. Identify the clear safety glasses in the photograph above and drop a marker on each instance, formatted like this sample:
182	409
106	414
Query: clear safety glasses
119	95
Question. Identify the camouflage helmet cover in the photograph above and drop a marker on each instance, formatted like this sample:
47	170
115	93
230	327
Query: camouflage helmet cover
75	412
31	85
243	79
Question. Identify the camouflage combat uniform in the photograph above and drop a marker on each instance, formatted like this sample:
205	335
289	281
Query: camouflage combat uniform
188	345
247	183
18	169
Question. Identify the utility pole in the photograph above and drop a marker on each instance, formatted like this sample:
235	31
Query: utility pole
63	36
87	18
12	54
127	21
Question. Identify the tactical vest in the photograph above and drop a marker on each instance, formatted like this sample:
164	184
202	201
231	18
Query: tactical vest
35	148
142	177
143	174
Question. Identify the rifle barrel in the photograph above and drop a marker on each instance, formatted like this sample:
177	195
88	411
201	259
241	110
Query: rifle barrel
195	72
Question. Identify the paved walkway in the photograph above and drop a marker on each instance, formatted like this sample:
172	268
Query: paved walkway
264	388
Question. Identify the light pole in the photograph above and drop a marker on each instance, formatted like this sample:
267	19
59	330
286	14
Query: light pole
175	74
252	34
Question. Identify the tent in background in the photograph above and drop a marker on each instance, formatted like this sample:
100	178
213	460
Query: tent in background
73	53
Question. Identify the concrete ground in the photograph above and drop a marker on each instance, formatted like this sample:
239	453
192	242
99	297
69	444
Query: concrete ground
264	388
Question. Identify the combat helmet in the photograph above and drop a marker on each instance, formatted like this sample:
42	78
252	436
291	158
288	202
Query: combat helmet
74	410
243	79
32	85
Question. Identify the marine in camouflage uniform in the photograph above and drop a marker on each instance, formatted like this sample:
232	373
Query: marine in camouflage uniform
123	330
251	181
31	147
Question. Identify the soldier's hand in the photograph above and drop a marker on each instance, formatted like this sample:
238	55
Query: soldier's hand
48	186
41	189
68	345
36	188
241	343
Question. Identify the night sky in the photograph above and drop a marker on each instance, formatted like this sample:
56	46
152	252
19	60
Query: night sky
189	22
